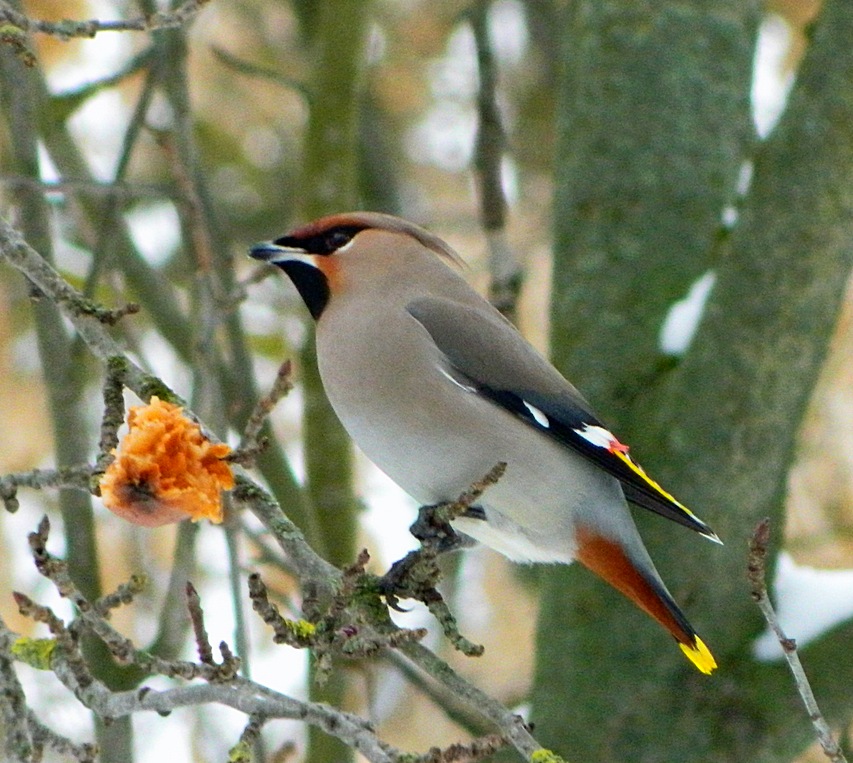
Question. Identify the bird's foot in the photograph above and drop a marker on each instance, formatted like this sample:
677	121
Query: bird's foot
417	574
418	571
433	529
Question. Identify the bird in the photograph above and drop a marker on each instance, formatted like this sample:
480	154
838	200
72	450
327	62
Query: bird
436	387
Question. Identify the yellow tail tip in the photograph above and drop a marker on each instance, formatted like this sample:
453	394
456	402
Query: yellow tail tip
700	656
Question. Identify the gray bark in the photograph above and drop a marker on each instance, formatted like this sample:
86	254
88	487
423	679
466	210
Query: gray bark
654	128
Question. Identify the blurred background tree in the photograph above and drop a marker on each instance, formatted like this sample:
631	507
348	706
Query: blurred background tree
145	163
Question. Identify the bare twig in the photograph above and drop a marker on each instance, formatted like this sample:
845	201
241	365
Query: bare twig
68	28
245	696
417	574
488	156
252	443
172	624
231	690
103	253
26	736
70	99
205	651
66	643
512	725
47	737
438	608
454	708
242	751
42	275
92	618
320	581
311	567
112	419
351	626
13	709
63	373
756	574
71	476
123	595
119	191
296	633
200	243
225	686
235	583
463	753
475	492
255	71
265	552
240	291
83	314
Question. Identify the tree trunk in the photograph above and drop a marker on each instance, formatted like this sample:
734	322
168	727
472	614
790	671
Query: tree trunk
331	184
654	130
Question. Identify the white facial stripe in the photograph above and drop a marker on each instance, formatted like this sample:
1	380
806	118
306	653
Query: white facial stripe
289	254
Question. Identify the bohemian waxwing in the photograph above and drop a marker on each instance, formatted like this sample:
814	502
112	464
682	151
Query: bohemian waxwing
436	387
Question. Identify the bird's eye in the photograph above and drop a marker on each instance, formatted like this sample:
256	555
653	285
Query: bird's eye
335	239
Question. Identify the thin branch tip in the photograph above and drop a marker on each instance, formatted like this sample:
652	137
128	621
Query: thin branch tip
759	546
15	25
759	543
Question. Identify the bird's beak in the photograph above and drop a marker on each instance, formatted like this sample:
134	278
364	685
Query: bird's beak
269	251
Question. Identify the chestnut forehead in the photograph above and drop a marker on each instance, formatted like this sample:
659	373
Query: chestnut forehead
313	236
317	228
323	225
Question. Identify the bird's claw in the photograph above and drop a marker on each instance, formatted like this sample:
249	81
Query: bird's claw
436	533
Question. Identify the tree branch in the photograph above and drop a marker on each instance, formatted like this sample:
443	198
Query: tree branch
222	684
756	573
13	709
83	313
68	28
489	149
320	580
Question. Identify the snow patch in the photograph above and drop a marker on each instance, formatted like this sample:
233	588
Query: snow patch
809	602
680	324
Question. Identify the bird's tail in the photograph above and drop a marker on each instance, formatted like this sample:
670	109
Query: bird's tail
608	560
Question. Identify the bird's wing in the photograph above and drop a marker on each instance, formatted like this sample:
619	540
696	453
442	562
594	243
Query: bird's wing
486	355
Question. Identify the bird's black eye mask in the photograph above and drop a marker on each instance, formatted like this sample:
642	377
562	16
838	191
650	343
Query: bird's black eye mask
324	242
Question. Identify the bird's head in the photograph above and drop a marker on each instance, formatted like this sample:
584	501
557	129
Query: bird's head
328	256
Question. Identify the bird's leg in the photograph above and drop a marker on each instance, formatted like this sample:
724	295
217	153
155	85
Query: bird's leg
417	574
436	535
417	570
433	529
